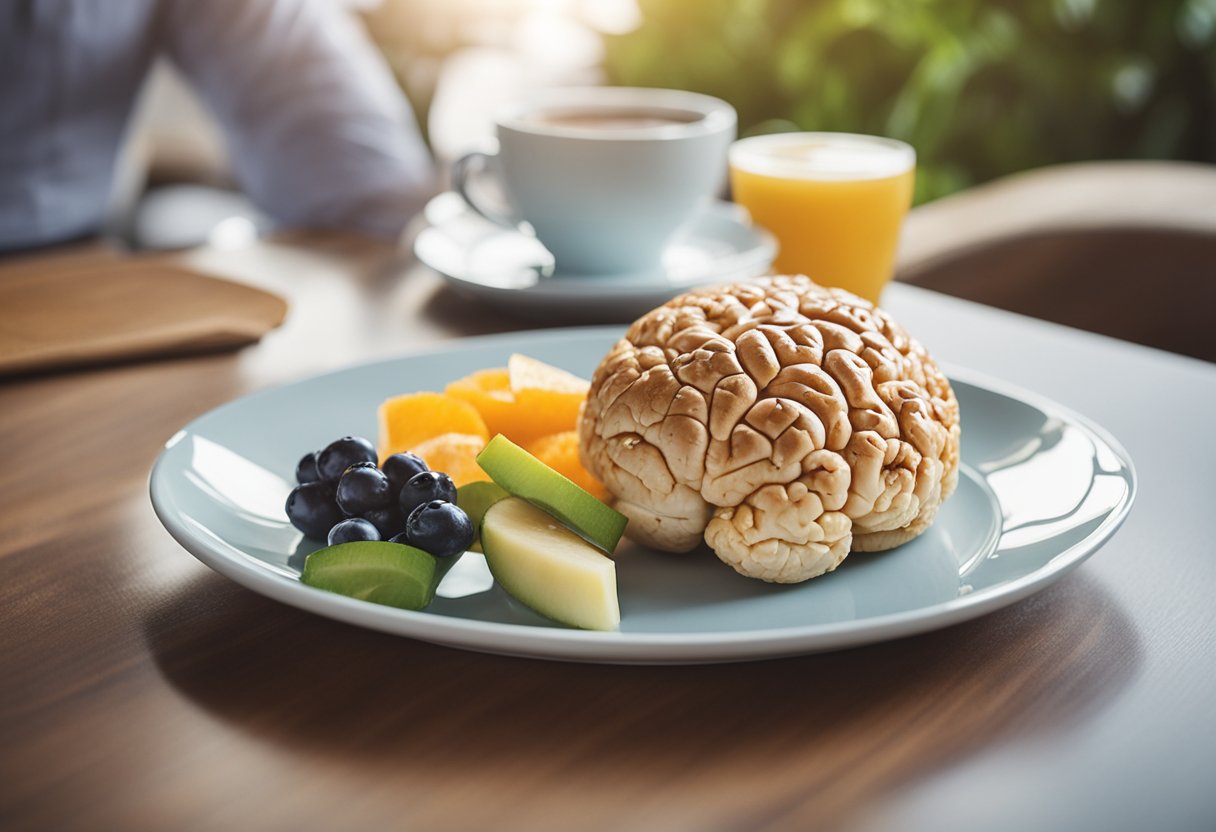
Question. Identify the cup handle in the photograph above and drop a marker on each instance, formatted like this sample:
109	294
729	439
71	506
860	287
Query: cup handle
463	171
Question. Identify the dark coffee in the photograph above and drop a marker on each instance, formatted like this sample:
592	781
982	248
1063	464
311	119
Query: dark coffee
613	119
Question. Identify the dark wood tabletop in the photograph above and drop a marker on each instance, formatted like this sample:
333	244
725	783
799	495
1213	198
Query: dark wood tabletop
140	690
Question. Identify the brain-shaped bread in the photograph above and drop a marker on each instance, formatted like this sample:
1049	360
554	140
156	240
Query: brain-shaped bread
782	422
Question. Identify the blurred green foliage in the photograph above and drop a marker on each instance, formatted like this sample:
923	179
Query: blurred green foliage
981	88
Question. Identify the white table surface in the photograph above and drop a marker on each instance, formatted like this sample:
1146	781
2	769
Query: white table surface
1143	757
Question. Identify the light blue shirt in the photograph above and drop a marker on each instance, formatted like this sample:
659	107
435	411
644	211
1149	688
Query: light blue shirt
318	132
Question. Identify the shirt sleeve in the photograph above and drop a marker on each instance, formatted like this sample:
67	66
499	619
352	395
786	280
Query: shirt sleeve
318	131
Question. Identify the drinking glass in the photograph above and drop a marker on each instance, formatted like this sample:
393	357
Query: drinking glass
834	201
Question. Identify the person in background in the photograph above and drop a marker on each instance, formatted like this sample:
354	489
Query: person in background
318	132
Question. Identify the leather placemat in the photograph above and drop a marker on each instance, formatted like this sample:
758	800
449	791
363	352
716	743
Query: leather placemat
79	311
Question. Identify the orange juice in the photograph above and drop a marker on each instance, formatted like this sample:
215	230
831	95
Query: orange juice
835	202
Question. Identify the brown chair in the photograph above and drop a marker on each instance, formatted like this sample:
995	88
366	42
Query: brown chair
1126	249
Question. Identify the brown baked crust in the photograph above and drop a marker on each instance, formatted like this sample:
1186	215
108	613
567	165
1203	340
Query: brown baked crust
782	422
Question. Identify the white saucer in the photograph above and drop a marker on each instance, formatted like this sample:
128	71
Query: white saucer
514	271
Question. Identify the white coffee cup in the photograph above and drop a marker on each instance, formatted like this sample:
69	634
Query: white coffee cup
604	176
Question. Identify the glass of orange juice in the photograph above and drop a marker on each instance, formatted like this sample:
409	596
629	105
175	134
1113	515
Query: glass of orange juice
835	202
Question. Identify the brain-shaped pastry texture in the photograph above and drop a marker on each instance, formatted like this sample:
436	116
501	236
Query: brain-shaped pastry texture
783	422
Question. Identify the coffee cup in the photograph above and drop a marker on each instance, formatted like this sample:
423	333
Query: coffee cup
603	176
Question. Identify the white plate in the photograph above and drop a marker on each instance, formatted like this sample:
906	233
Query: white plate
514	271
1041	489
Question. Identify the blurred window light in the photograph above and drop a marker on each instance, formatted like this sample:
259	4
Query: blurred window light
1132	84
484	52
612	17
557	41
1074	14
1197	23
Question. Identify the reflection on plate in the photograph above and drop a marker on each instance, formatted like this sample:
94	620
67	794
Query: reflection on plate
514	271
1041	489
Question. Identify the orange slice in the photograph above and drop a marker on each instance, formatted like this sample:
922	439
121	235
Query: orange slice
549	398
408	421
528	375
560	452
489	391
455	454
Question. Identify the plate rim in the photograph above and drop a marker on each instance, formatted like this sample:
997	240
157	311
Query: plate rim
626	647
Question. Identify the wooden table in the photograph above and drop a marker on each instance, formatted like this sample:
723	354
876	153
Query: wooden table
139	690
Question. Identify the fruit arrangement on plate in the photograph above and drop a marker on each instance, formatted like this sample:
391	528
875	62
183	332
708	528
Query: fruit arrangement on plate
779	423
395	523
533	404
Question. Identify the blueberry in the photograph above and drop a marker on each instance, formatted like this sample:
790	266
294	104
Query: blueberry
424	487
400	467
363	488
351	529
440	528
388	520
306	468
342	453
312	509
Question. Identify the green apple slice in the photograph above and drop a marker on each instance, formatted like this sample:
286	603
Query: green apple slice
525	476
377	571
476	498
548	567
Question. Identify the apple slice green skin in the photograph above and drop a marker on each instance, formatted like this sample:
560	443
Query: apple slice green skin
476	498
525	476
546	566
378	571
